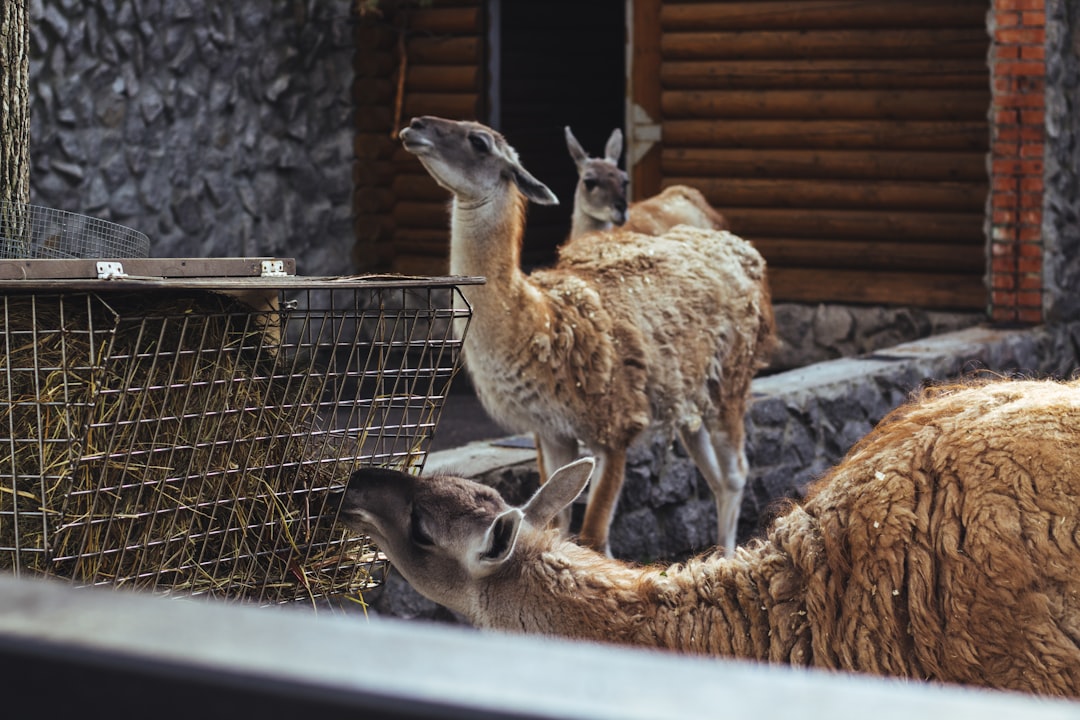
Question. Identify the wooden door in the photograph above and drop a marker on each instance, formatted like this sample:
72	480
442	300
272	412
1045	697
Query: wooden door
846	138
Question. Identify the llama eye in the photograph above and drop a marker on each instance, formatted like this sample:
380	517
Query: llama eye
417	533
479	143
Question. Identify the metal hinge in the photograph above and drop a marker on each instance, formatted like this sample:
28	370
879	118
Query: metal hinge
108	270
273	268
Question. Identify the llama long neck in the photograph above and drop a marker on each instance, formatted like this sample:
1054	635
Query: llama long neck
710	605
581	222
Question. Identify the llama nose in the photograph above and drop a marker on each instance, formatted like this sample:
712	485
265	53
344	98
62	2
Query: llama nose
417	123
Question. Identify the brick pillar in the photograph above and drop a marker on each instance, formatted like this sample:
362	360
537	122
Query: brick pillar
1017	140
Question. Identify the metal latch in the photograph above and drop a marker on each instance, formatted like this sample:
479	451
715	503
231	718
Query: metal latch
274	268
109	270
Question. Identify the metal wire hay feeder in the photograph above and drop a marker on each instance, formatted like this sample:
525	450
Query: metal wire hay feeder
175	429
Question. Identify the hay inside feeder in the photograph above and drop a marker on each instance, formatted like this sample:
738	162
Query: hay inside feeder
164	441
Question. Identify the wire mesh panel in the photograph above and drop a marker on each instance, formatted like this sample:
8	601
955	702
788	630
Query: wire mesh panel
185	441
33	231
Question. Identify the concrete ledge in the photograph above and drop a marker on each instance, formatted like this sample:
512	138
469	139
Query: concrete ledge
65	650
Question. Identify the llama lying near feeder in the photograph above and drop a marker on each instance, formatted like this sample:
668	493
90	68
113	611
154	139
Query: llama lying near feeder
945	546
626	331
600	197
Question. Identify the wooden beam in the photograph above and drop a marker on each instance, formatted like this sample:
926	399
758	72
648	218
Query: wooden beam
808	14
871	255
858	43
833	164
895	74
829	134
799	105
839	194
947	291
857	225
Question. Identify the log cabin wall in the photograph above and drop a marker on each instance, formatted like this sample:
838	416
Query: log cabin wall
846	138
401	214
849	139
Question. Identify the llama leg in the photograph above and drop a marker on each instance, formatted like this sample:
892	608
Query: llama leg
603	497
724	469
554	452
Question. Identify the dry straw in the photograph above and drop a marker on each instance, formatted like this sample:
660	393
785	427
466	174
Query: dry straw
164	442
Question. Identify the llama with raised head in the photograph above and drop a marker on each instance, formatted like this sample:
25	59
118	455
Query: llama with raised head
600	197
945	546
626	331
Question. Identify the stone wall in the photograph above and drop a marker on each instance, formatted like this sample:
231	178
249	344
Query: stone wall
216	128
1061	213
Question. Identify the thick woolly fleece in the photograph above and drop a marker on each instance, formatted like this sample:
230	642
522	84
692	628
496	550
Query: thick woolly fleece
625	330
946	546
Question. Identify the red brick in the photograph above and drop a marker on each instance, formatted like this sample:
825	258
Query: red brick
1007	19
1033	52
1002	249
1020	36
1006	52
1002	282
1019	100
1031	315
1032	275
1029	299
1004	201
1004	184
1034	18
1030	217
1019	5
1030	200
1029	234
1033	117
1011	69
1031	185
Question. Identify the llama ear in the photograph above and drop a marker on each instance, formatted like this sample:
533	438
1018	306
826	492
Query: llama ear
613	149
576	151
561	489
499	539
532	188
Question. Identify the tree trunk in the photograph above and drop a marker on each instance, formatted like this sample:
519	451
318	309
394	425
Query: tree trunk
14	101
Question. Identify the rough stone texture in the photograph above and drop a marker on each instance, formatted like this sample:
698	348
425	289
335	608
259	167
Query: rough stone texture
800	424
217	128
1061	214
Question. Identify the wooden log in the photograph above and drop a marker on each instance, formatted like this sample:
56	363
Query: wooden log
830	164
432	266
374	146
446	21
895	74
942	43
424	50
372	91
418	186
871	255
443	78
373	200
373	173
948	291
857	225
422	241
457	106
839	194
804	15
421	214
926	105
829	134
